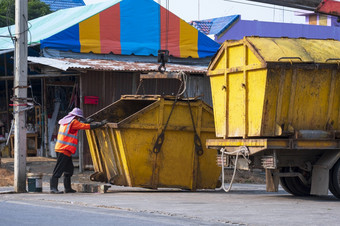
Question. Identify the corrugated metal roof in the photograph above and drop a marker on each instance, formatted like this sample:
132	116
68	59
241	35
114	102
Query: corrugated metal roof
215	26
202	26
63	4
113	65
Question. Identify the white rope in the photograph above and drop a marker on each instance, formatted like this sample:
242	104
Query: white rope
244	152
30	105
184	80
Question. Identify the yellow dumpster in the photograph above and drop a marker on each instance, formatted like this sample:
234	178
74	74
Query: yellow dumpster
131	151
267	87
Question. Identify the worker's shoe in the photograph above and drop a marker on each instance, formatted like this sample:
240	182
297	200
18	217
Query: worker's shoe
54	186
67	185
70	191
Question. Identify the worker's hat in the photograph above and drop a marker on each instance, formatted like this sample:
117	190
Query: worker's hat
77	112
70	116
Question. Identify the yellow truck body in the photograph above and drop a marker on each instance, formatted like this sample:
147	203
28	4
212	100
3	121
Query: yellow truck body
269	87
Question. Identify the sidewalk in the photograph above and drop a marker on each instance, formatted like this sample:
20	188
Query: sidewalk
113	188
40	165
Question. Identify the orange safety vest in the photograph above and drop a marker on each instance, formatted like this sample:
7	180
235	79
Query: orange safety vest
67	139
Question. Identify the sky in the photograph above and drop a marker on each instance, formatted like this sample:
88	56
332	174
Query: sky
190	10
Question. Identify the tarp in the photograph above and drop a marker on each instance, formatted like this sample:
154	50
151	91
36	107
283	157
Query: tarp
139	27
51	24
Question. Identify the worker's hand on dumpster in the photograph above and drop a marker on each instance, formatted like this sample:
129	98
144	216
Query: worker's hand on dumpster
89	120
95	125
104	122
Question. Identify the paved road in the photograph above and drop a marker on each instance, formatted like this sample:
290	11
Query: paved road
14	212
244	205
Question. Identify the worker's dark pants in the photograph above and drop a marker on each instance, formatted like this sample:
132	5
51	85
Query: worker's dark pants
64	165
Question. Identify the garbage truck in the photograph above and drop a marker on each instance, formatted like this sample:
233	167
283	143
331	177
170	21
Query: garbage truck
276	104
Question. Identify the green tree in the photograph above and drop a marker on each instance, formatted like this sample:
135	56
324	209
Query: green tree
36	9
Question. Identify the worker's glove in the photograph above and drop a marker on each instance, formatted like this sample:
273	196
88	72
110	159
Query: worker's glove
104	122
95	125
86	120
89	120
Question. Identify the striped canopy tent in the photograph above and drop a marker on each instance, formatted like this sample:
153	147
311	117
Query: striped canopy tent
126	27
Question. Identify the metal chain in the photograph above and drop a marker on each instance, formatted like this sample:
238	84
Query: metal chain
160	139
197	139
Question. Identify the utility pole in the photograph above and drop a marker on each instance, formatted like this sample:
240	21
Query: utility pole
20	95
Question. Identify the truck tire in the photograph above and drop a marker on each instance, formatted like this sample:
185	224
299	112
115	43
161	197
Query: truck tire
285	186
334	179
294	185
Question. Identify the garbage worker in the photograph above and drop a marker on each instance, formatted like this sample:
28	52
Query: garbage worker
66	146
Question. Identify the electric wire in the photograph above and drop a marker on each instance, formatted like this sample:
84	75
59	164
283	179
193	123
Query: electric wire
8	16
28	29
32	95
11	35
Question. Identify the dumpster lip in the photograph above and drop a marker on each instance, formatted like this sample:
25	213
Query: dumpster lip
125	97
140	97
159	97
124	122
151	97
115	125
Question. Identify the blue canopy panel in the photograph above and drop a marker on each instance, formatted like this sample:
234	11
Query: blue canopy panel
67	40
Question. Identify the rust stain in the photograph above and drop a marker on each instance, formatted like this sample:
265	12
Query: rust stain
114	65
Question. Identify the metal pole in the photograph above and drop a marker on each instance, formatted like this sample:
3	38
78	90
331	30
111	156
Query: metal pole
42	128
20	94
81	134
46	148
7	99
7	107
